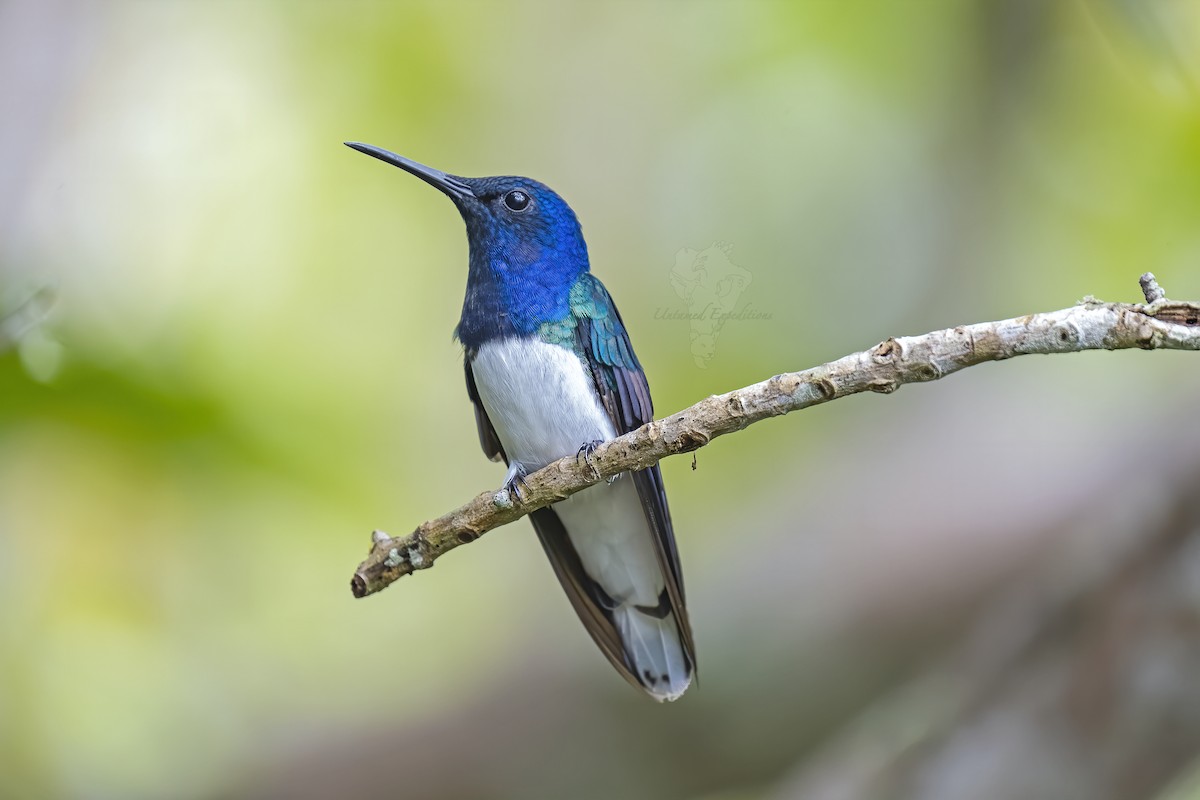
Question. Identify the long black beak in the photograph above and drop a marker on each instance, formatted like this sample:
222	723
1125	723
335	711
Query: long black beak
455	187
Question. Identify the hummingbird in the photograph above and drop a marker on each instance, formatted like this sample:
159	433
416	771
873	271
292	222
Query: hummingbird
551	373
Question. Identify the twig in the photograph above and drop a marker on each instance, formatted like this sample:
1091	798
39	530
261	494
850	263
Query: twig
1150	288
1091	325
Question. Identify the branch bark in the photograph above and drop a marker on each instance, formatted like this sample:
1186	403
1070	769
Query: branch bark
1159	324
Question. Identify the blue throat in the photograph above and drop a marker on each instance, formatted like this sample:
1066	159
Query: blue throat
517	282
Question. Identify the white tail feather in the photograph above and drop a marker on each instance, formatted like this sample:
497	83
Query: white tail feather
654	648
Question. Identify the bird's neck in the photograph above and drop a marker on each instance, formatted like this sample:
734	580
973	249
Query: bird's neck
515	291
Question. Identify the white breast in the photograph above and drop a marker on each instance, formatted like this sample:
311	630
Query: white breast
540	400
544	406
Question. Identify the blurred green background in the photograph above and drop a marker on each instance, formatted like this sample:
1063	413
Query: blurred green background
244	364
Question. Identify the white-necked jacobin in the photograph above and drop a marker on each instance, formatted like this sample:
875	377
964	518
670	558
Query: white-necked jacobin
551	373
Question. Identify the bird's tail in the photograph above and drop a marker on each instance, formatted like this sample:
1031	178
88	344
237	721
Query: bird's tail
653	647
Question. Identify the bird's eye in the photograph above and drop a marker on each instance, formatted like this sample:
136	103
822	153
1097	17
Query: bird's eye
516	200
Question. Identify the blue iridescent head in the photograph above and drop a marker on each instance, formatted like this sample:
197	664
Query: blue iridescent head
526	246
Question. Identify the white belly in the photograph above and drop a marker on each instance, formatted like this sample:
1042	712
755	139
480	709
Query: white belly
544	406
540	400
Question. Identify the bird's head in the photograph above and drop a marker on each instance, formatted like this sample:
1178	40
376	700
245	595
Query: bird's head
518	228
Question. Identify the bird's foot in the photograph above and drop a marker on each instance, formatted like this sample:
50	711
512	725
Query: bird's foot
585	453
514	481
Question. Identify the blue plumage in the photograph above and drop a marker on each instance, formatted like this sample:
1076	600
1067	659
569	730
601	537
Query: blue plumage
550	371
522	265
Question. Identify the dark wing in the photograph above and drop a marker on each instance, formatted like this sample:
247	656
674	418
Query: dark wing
487	434
591	603
601	339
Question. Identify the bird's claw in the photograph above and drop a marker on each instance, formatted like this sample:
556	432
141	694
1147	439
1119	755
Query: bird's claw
585	453
514	482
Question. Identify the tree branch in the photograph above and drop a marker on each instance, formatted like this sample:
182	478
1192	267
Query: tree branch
1160	324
